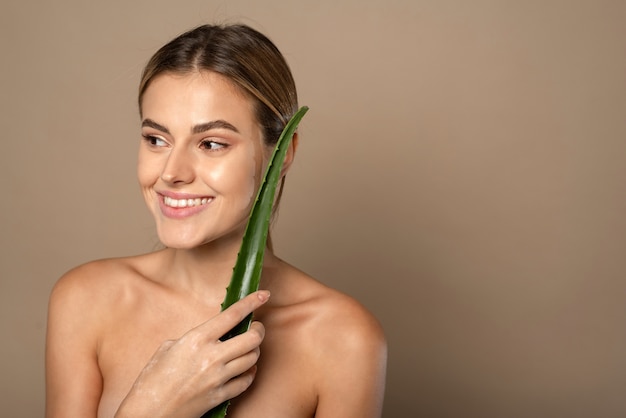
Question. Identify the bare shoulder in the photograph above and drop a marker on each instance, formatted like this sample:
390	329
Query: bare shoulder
339	345
334	318
94	280
94	287
92	274
81	304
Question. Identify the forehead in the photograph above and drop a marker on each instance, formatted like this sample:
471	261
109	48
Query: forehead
195	96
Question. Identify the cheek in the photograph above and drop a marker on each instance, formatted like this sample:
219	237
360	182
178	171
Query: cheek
141	169
238	179
148	169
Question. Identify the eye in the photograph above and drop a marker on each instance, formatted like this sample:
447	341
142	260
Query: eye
154	141
211	145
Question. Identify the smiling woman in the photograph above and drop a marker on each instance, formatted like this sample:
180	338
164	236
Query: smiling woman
202	142
140	336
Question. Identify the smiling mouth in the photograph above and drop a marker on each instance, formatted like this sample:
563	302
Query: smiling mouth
185	203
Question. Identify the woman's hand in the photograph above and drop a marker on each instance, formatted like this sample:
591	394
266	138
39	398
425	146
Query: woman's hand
189	376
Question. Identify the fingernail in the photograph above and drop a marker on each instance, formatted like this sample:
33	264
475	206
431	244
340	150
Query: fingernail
263	295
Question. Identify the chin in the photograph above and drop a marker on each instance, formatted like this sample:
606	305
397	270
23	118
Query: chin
179	245
179	241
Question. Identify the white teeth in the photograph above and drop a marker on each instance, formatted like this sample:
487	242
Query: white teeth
185	203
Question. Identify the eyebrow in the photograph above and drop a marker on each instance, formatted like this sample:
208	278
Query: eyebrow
152	124
203	127
214	124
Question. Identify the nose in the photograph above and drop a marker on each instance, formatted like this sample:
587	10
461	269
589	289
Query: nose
178	167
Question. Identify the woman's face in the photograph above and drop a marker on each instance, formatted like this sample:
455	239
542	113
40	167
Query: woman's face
201	159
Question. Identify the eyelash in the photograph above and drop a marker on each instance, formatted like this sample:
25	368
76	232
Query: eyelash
152	140
206	144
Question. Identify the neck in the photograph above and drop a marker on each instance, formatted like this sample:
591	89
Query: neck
203	271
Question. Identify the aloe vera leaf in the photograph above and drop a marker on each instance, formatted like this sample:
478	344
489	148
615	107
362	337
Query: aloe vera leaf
249	265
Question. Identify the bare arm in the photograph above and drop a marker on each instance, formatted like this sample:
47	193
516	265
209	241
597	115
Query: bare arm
354	356
73	379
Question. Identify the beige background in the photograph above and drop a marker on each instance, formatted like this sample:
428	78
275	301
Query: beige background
461	172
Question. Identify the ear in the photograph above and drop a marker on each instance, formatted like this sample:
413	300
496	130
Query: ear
291	154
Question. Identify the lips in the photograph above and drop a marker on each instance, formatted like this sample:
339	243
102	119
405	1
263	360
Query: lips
179	205
185	203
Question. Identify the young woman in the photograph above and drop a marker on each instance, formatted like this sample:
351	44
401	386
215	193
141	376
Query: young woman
140	336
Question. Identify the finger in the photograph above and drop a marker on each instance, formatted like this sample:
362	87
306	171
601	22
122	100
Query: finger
244	343
237	385
258	327
239	365
226	320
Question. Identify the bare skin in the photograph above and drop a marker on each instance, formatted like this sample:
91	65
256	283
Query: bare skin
322	355
139	336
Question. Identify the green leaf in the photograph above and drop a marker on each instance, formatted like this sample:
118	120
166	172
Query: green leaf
249	265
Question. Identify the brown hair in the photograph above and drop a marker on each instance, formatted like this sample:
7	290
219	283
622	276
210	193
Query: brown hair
241	54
